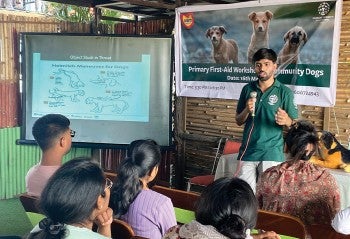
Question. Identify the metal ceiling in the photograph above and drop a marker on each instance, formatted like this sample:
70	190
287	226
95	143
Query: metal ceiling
144	8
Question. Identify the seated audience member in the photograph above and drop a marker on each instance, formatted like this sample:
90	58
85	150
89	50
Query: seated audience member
149	213
74	198
54	137
227	208
341	221
298	187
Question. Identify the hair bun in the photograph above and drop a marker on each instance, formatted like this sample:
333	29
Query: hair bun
232	225
50	226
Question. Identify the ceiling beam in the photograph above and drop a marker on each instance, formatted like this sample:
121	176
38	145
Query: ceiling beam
154	4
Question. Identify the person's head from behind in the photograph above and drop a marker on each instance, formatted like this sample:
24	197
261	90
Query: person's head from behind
51	129
145	154
301	140
228	204
134	173
264	62
75	194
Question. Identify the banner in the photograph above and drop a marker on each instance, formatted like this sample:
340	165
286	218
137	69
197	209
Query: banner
214	45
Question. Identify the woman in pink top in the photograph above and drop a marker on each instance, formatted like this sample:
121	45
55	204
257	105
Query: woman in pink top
149	213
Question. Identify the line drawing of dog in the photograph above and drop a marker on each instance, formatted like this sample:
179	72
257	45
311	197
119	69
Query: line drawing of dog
224	50
294	39
260	36
101	103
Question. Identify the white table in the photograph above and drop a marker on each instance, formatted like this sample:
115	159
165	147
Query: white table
343	181
228	163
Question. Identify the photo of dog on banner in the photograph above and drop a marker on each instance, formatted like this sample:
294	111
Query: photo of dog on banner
216	49
297	43
226	50
331	153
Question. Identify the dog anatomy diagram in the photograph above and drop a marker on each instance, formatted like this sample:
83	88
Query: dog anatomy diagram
92	90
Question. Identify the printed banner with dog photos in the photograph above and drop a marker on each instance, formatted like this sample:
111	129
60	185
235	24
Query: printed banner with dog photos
214	45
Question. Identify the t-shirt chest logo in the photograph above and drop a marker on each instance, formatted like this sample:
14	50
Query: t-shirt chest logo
272	99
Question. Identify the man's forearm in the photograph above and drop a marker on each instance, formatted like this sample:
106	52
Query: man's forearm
242	117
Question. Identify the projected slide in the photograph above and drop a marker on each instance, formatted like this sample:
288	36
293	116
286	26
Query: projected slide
92	90
113	89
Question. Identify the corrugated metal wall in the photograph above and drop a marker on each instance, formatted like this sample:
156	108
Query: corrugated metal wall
11	24
216	117
154	27
15	161
9	104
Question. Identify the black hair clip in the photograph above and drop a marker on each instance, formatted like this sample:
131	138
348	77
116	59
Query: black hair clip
50	226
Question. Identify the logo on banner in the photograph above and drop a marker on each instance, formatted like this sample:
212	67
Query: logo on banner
324	8
187	20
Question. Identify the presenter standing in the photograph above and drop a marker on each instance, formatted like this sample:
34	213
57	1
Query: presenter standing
264	106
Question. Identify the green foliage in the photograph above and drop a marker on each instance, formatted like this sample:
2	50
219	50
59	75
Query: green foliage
74	13
111	13
70	13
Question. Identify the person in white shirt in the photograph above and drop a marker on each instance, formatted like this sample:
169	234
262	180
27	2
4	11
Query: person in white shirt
341	221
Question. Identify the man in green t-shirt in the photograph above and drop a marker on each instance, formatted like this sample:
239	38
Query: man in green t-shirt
264	106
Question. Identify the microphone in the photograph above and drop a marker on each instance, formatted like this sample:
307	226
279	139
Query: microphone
253	95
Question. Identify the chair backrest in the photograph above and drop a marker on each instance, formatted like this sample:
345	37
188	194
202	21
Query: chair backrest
231	147
121	230
181	199
218	153
225	146
283	224
29	203
325	231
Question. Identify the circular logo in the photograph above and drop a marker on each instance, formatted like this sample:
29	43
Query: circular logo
323	9
272	99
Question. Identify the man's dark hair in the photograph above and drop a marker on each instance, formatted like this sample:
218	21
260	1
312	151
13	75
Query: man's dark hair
265	53
48	128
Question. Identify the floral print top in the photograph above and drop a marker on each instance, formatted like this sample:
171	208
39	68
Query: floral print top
301	189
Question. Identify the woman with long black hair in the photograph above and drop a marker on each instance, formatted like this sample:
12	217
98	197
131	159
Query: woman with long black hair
76	197
149	213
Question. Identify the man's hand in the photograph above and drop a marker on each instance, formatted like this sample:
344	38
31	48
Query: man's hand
282	118
250	105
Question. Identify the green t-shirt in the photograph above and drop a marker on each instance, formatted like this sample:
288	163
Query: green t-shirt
266	137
